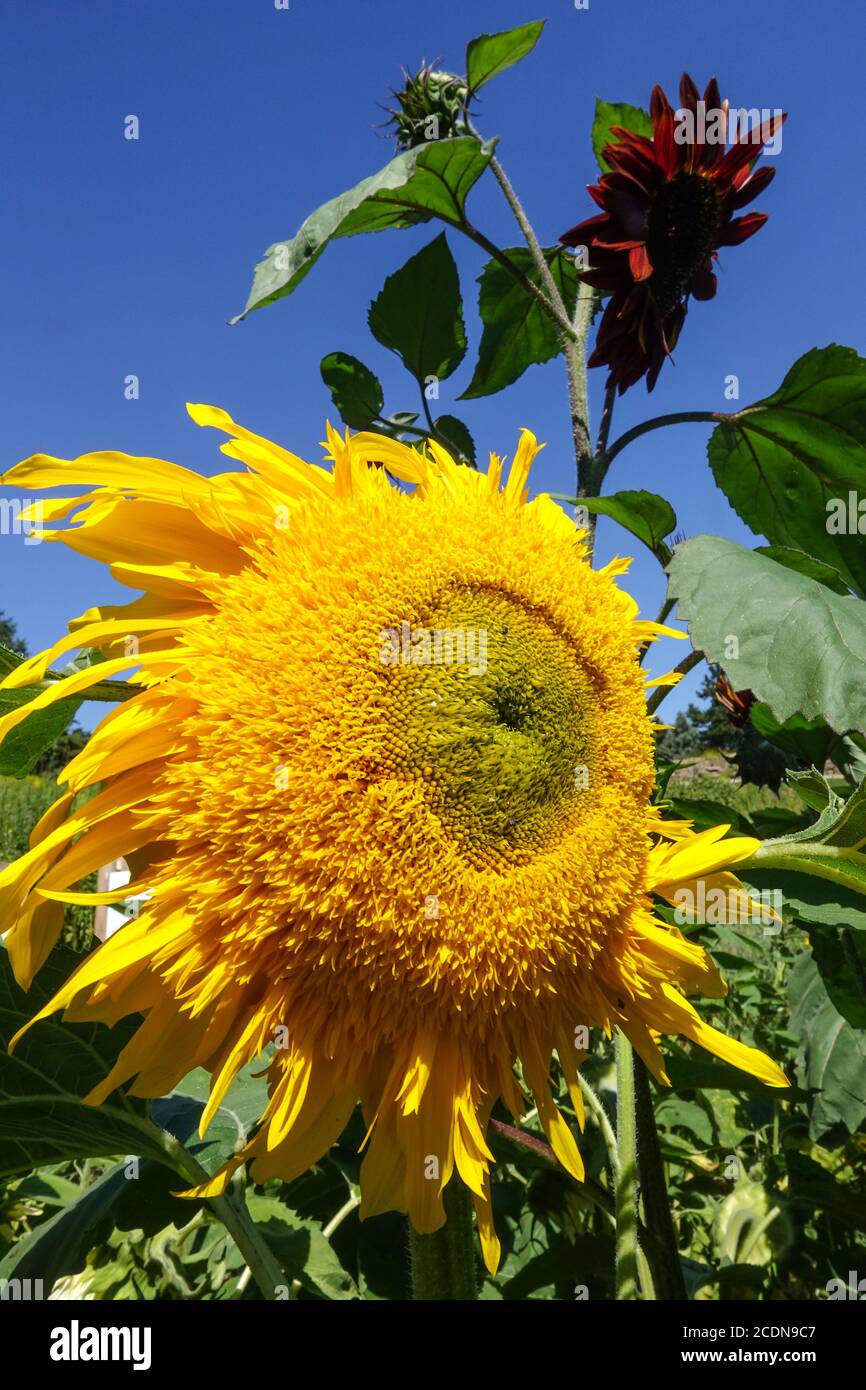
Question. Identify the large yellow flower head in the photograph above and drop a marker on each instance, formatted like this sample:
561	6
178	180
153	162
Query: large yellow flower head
385	783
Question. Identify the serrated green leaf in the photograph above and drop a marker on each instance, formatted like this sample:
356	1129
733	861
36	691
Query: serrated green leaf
302	1250
810	740
616	113
456	437
419	313
801	648
833	1054
644	514
516	331
355	391
490	54
430	180
841	962
781	461
23	746
805	564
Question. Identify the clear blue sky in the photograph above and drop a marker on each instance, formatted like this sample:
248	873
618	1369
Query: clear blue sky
128	257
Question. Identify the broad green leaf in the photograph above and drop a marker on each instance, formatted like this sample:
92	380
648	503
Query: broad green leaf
831	850
456	437
800	648
849	755
23	746
805	564
645	514
301	1248
784	460
42	1119
355	391
696	1071
59	1246
810	740
833	1054
842	963
431	180
516	332
8	661
419	313
491	54
616	113
241	1110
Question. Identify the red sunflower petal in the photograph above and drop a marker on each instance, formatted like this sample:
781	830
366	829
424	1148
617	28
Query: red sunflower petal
738	231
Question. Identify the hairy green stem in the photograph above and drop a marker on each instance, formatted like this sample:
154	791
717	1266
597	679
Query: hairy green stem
688	662
661	1249
443	1264
575	359
596	1106
232	1212
626	1178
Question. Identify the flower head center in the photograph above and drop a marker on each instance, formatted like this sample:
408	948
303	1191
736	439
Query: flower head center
681	228
503	744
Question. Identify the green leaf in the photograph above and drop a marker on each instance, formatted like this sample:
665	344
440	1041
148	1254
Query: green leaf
833	1057
830	850
516	331
432	180
302	1250
805	564
419	313
42	1119
810	740
456	437
644	514
698	1072
242	1108
23	746
490	54
355	391
842	962
8	660
59	1246
781	461
801	648
616	113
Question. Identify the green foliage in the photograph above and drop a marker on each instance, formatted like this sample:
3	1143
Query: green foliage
490	54
801	647
431	180
419	314
644	514
782	461
615	113
516	331
355	391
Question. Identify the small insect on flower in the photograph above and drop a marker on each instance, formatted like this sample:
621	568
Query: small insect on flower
304	902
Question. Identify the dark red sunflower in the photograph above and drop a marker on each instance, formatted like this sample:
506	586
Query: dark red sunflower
668	205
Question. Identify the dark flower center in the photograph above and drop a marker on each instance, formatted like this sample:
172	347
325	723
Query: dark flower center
681	230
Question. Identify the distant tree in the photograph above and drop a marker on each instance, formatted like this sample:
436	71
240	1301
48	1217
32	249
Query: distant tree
711	725
9	636
682	741
60	752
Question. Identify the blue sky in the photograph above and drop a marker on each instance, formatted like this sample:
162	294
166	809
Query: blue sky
129	256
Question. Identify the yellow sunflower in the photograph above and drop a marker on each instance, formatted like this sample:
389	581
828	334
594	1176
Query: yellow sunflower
385	784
